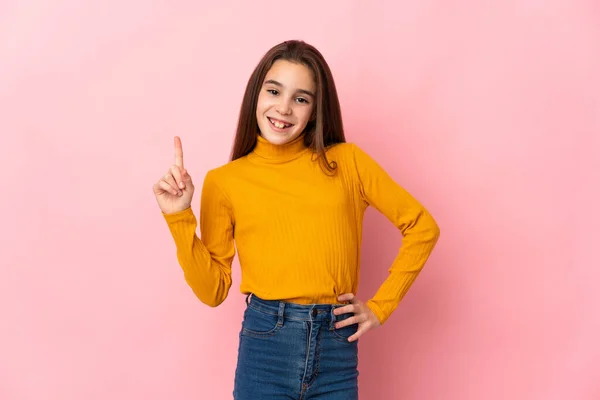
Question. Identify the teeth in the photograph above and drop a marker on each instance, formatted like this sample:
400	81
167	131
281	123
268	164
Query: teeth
278	124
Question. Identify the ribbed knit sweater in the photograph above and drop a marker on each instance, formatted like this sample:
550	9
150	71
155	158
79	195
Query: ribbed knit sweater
297	230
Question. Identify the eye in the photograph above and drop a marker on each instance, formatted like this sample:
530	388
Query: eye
273	92
302	100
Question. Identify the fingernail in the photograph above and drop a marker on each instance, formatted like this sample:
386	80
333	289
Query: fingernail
181	185
180	193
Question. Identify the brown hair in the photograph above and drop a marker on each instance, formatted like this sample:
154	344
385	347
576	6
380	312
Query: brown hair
325	127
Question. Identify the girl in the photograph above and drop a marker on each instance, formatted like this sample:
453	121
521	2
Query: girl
293	199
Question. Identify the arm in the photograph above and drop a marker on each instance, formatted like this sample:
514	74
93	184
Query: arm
206	263
419	230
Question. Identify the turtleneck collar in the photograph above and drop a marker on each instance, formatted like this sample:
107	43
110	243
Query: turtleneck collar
279	153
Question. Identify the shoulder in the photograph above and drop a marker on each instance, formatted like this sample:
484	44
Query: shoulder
355	160
352	150
347	153
341	148
346	149
221	177
342	151
228	170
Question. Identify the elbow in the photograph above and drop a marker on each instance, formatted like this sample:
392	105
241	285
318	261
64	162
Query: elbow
430	228
212	302
435	230
210	299
213	295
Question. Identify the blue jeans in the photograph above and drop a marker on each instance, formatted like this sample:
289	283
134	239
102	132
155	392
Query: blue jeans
293	351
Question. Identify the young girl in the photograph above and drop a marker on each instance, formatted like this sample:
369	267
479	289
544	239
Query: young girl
293	199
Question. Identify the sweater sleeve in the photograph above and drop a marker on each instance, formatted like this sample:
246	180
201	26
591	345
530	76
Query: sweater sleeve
419	230
206	262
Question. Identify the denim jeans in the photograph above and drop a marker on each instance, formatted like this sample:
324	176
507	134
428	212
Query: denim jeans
293	351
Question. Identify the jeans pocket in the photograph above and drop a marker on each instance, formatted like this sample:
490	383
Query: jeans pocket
342	334
259	323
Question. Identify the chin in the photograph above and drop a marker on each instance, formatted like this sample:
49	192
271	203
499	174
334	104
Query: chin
277	137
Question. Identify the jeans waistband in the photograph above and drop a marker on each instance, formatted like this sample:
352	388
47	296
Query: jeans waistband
298	312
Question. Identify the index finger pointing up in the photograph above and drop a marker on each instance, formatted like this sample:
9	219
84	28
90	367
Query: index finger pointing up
178	152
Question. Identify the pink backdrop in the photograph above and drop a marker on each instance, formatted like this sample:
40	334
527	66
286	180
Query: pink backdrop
488	112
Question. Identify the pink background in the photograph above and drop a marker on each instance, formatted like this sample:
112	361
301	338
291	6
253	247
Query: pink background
488	112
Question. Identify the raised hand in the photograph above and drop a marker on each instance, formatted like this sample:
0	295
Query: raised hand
174	190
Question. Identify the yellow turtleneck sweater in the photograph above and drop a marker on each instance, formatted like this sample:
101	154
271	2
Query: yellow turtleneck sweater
298	230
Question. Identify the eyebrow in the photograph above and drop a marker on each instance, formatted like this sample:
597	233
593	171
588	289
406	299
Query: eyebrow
274	82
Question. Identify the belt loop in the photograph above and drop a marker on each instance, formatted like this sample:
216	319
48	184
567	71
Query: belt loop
333	319
248	296
280	313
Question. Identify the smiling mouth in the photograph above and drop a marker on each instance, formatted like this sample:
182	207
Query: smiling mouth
279	124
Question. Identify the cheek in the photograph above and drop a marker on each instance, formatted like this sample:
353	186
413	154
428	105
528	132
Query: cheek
261	104
306	113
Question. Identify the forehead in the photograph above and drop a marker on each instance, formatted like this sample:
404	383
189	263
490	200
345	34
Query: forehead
292	75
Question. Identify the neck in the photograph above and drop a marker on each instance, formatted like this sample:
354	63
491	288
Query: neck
276	153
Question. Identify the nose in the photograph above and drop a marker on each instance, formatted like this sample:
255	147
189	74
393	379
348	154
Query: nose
283	107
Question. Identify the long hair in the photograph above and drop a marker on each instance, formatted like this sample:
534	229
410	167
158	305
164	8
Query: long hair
325	126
